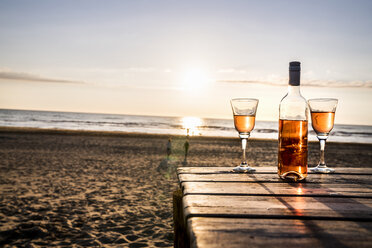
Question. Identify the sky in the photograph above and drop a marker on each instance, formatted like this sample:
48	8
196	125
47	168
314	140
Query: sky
184	58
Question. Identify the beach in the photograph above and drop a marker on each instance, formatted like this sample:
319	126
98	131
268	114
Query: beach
113	189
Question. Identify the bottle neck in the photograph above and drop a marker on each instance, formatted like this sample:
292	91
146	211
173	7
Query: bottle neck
294	78
294	90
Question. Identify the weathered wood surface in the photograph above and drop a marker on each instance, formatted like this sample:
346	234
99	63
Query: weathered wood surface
279	189
278	207
269	170
226	209
179	224
234	233
273	178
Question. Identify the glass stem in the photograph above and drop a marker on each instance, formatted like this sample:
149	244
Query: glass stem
322	147
244	146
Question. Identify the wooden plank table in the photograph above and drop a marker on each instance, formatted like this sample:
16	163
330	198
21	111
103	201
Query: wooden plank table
220	208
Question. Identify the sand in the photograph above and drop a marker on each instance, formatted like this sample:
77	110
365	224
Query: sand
73	188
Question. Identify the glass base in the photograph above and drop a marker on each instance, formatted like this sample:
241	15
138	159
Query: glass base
322	169
244	169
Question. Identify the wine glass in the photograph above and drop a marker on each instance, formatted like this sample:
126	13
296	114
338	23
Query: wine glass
322	119
244	110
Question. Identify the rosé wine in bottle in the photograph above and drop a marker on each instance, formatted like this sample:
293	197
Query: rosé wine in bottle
293	129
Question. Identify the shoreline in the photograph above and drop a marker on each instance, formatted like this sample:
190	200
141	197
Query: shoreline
32	130
161	116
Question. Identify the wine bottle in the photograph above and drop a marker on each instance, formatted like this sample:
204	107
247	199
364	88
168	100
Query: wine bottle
293	129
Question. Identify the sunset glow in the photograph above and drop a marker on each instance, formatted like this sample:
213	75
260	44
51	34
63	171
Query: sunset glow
186	58
195	79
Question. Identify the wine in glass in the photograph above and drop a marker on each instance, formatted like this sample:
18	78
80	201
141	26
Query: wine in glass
244	110
322	119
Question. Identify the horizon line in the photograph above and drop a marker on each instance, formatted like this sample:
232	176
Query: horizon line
147	115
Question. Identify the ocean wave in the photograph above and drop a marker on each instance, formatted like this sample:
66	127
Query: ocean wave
266	130
341	133
216	127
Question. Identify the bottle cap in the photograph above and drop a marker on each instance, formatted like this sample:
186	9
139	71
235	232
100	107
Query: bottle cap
295	66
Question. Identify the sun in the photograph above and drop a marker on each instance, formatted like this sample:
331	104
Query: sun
194	79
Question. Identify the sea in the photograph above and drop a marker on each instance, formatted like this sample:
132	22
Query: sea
164	125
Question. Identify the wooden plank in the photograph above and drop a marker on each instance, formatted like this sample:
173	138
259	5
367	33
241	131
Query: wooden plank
216	170
265	170
239	188
180	233
273	178
229	232
278	207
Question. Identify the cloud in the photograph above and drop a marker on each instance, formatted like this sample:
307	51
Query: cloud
232	70
308	83
140	69
251	82
160	88
339	84
21	76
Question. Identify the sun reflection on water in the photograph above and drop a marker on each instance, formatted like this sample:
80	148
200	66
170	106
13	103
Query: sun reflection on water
191	124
